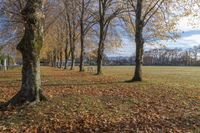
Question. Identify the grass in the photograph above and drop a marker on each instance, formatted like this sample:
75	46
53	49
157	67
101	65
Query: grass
168	100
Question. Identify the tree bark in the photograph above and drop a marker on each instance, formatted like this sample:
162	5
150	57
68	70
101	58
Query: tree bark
58	58
72	59
100	58
54	58
30	47
82	49
66	56
72	56
61	57
73	49
139	62
139	42
82	36
101	39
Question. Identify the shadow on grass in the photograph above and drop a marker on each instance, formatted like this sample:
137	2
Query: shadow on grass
84	84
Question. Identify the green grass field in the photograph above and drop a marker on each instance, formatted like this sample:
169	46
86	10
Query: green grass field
168	100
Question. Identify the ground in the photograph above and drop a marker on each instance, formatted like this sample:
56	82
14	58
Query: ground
167	101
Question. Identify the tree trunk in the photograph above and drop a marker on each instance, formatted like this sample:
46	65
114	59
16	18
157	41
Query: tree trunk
58	59
73	51
99	59
66	57
30	47
139	42
54	58
100	47
82	49
82	37
72	59
5	64
139	62
61	56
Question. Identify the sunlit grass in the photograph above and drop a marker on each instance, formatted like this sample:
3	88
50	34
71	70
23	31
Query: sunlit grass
167	95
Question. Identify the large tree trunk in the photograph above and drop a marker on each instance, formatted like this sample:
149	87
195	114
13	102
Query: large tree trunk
139	42
30	47
139	62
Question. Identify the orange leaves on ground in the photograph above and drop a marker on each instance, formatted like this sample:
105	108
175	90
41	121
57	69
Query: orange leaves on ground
81	102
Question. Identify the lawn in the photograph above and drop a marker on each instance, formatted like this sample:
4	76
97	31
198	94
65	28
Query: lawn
168	100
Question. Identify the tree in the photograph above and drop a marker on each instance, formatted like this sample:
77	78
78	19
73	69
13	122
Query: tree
107	11
55	34
146	18
86	23
72	23
30	47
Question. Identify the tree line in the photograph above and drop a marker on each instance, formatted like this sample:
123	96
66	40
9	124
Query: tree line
173	57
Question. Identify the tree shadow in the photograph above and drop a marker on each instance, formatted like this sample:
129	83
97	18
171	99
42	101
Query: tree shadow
3	106
84	84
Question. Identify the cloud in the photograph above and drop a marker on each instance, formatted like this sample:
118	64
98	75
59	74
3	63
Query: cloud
187	40
189	37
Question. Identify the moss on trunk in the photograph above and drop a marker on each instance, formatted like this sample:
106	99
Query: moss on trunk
30	47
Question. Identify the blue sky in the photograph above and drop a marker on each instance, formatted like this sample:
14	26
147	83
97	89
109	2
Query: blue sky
189	37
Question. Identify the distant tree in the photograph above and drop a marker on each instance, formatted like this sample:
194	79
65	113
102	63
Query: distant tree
107	11
86	22
72	23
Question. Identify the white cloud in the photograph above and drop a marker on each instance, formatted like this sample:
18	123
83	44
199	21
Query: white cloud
190	36
188	23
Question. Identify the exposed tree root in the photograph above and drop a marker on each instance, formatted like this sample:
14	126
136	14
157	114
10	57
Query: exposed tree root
20	100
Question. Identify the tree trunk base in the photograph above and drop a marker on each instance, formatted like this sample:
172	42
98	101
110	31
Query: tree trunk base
134	80
137	79
82	70
20	100
99	73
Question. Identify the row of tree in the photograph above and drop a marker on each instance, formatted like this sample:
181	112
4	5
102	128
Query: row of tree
85	26
160	57
77	24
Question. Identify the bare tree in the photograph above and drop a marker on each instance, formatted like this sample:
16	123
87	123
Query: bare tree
145	18
108	10
71	12
86	22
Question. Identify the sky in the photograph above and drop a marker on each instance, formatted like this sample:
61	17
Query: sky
189	37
